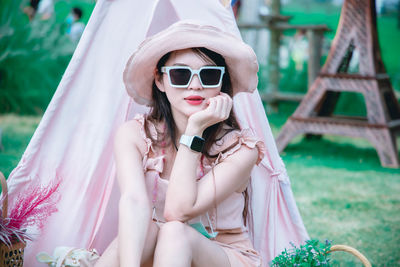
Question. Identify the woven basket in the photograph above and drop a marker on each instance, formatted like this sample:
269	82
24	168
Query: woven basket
12	256
352	251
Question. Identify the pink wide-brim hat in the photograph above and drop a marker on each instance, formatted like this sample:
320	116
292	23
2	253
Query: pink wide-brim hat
240	58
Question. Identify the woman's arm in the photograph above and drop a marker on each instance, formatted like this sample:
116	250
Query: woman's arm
187	198
134	205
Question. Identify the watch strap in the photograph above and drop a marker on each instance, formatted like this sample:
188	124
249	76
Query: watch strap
193	142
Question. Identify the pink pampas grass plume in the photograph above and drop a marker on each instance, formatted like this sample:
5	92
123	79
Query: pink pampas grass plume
33	206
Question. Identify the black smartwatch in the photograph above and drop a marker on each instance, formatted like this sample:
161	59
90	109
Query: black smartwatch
194	142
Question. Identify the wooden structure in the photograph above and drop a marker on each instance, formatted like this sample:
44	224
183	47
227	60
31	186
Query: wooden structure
356	31
277	23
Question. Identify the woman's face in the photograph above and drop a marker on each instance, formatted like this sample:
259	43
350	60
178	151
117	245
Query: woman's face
193	98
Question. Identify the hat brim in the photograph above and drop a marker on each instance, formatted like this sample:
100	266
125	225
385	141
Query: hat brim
240	58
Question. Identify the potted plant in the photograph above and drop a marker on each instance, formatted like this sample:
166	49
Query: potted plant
31	208
313	253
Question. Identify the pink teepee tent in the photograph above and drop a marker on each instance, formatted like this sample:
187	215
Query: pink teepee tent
75	137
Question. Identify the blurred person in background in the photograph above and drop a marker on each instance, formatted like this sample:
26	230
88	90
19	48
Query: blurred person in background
75	27
45	9
299	49
236	7
398	15
31	9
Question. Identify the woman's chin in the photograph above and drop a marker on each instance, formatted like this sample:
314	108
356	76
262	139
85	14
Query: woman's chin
196	109
188	111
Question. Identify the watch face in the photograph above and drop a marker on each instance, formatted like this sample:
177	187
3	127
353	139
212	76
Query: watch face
197	144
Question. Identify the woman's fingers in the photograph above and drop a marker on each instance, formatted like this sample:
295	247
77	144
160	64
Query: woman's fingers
212	107
229	106
219	108
226	105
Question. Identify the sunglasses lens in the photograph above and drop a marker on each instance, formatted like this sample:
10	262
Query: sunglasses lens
179	76
210	77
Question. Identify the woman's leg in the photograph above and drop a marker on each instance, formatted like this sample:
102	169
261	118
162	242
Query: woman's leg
110	255
180	245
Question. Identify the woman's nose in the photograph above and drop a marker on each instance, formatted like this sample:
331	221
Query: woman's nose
195	83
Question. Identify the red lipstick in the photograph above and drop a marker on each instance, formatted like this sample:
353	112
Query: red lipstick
194	100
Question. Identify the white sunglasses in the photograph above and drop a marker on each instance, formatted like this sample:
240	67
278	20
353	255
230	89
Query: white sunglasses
181	76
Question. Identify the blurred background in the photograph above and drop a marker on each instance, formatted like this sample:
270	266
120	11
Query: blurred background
342	191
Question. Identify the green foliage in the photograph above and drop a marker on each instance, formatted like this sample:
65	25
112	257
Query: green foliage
389	38
33	56
312	253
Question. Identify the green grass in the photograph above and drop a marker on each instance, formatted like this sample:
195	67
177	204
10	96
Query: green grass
342	192
16	133
344	195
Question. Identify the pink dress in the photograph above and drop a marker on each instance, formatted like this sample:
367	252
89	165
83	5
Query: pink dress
226	218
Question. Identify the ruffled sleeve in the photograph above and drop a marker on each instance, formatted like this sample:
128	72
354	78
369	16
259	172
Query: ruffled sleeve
232	142
148	163
141	119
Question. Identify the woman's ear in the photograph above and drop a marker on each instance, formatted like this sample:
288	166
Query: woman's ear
158	79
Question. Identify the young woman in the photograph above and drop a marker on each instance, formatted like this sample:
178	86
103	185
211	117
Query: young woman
183	169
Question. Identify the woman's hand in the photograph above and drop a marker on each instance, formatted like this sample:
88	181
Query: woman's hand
219	108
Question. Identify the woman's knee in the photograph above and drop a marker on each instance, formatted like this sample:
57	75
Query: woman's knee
175	235
173	240
172	229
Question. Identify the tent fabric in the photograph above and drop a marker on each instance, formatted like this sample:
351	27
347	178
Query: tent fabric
74	140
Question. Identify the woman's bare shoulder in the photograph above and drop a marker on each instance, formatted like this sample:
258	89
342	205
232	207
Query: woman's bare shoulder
131	133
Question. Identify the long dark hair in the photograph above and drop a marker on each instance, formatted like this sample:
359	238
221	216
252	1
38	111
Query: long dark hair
161	110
